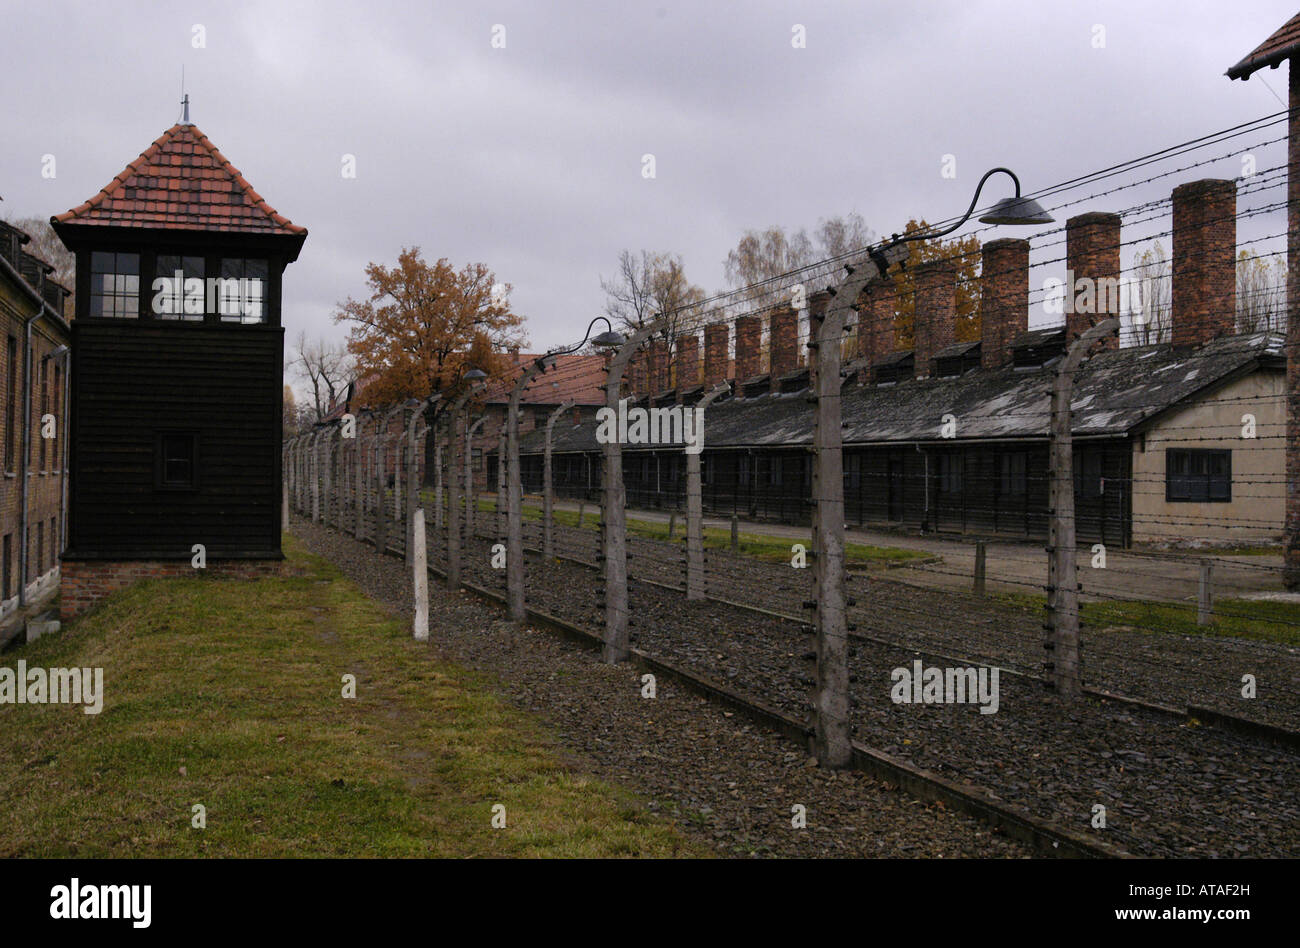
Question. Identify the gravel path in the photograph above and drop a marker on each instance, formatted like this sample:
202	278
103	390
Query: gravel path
1167	669
727	782
1169	789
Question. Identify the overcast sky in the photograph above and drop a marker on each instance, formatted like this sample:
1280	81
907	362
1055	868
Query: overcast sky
529	157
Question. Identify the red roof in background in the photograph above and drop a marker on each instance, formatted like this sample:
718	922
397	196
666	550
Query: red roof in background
182	182
576	378
1278	47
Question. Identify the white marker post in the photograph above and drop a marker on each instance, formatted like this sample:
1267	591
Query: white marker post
420	564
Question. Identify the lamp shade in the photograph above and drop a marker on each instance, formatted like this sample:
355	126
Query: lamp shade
1017	210
609	339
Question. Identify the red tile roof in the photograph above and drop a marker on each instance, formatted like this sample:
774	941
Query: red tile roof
1281	45
182	182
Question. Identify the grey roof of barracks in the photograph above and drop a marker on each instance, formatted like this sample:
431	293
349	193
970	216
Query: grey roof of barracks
1115	392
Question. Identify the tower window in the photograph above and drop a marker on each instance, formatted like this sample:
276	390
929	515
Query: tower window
176	295
176	462
242	290
115	285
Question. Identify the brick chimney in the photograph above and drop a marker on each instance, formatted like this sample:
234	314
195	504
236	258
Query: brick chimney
934	313
635	376
784	341
879	305
716	337
1092	254
1004	298
658	366
688	362
1204	261
748	329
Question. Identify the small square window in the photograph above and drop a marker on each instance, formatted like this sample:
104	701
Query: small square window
1198	476
176	464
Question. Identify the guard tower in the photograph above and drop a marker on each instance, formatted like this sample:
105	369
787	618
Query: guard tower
1283	46
176	376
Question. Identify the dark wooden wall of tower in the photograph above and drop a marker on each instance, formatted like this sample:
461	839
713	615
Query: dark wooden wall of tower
135	379
132	381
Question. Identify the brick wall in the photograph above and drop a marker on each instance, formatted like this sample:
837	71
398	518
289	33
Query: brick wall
878	315
1004	299
45	461
1092	253
748	329
716	337
635	375
1204	261
85	583
784	336
658	367
687	356
934	312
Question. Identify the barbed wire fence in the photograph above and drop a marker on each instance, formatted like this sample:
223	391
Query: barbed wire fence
600	545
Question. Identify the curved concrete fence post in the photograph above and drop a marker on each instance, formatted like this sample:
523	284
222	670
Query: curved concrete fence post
548	486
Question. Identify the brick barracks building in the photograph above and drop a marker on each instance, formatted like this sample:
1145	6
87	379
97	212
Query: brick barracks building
33	373
1159	455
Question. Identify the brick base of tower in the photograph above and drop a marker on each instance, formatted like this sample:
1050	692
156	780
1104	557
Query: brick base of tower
84	583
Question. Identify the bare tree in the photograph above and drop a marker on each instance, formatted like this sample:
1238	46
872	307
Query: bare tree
1261	293
629	298
770	256
763	255
289	418
647	286
325	366
840	236
1150	315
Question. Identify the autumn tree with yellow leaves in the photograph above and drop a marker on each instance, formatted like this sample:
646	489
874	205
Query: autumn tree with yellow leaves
966	251
424	325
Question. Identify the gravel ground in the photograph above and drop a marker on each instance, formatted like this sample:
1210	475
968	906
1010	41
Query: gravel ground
725	781
1174	670
1169	789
